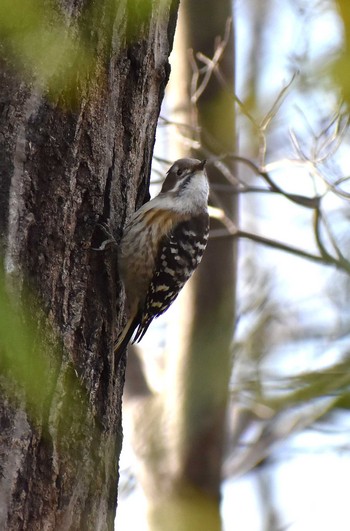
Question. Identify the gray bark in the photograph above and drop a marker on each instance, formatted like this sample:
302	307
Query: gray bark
66	162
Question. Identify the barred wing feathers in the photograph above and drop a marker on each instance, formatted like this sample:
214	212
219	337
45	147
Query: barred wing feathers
179	254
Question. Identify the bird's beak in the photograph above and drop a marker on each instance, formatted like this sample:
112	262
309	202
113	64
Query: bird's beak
201	165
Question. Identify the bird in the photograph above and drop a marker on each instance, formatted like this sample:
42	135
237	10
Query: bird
162	245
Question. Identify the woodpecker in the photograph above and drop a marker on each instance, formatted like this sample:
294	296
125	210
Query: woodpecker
162	245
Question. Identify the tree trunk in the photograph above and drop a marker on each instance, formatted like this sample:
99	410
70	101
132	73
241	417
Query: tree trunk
205	367
66	163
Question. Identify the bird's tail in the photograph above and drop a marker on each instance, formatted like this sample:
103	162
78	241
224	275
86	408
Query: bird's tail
126	335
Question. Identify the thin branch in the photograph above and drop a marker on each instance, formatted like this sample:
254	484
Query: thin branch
238	233
308	202
245	111
340	262
270	115
211	65
262	126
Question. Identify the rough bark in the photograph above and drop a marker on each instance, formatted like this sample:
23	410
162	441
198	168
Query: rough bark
65	164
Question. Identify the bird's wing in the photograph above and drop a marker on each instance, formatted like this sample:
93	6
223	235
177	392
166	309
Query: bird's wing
178	256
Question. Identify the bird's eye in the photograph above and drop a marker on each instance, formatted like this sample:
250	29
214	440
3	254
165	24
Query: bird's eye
179	171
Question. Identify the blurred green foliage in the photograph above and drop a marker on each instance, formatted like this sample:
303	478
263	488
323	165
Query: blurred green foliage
23	350
34	369
36	41
60	51
341	67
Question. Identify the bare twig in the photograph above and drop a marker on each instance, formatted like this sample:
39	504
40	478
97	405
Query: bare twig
211	65
309	202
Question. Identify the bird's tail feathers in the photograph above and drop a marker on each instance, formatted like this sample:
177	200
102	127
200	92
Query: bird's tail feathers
126	335
142	329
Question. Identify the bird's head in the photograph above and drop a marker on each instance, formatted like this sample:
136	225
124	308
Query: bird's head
181	173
